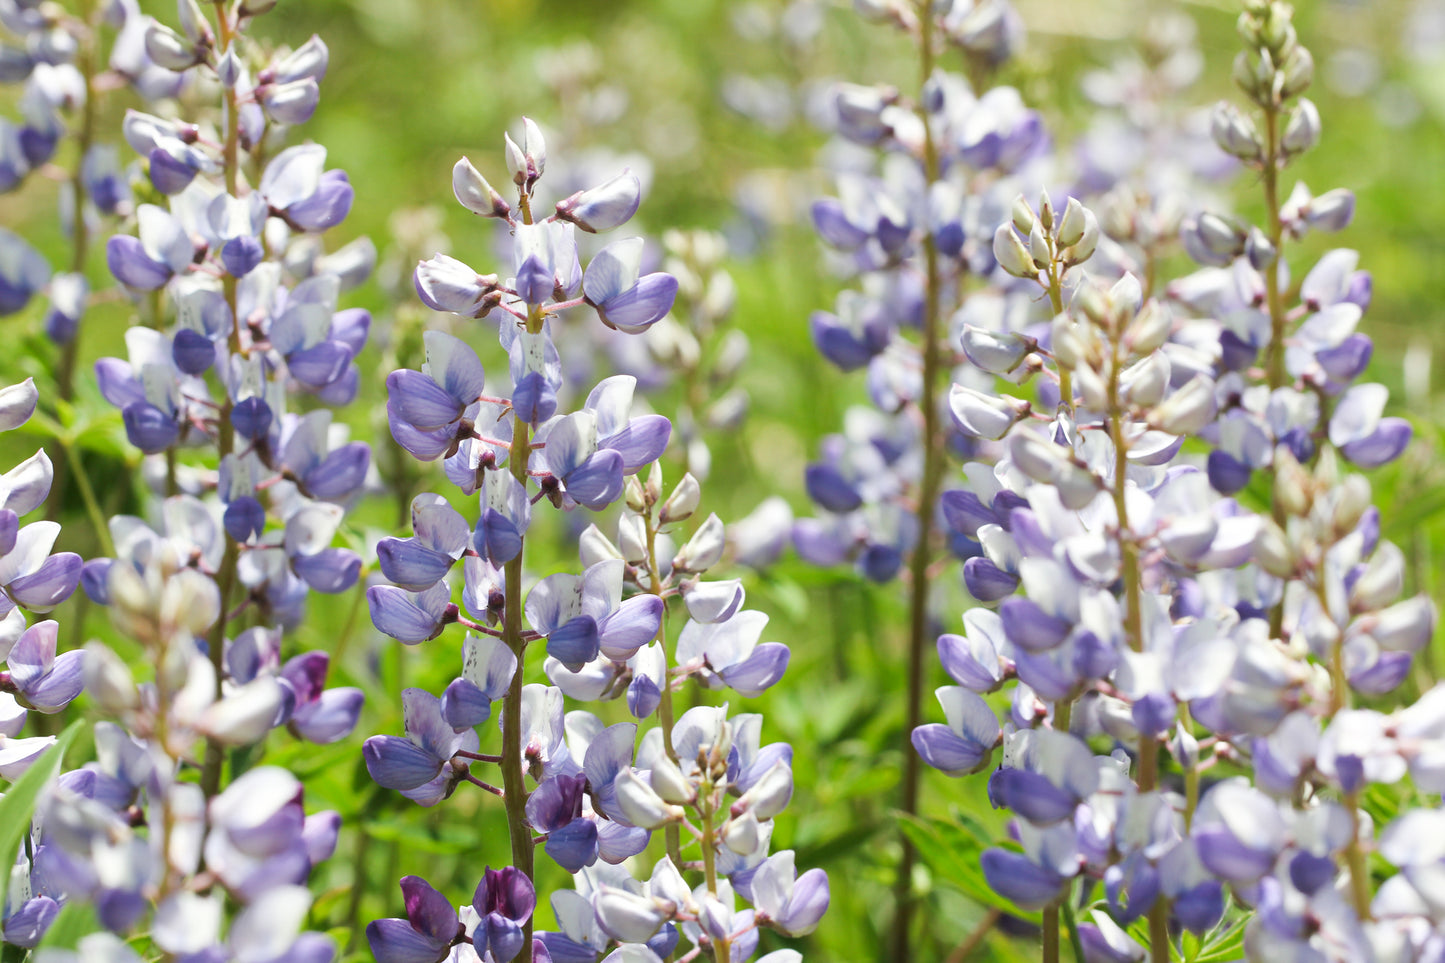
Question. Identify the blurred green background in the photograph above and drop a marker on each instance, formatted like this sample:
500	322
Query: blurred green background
413	84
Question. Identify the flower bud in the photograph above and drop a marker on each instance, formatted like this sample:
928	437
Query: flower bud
669	782
1272	550
170	50
1235	133
652	491
1351	500
1046	212
634	494
595	547
1302	128
108	680
981	415
474	193
1071	228
1291	484
1150	328
605	206
1331	211
245	716
632	538
683	501
1259	249
742	834
1299	72
1011	253
1382	581
1039	247
628	917
704	549
769	795
641	804
1187	410
1023	215
995	353
1088	242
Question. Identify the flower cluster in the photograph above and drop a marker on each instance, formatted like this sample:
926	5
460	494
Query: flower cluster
1142	615
243	311
590	794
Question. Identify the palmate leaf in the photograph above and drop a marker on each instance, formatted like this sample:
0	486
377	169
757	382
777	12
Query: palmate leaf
951	848
18	803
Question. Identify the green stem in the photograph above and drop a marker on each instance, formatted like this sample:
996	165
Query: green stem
1056	300
721	949
1071	923
87	495
226	577
672	833
1274	301
85	62
927	497
514	790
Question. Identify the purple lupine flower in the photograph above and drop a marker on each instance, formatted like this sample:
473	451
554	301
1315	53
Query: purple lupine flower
315	713
425	936
411	617
45	681
966	743
440	537
430	405
301	192
504	900
412	762
729	654
622	299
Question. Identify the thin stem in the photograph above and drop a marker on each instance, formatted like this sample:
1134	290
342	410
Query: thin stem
85	62
1159	931
1274	364
226	577
1063	716
1355	859
975	938
87	495
513	784
927	497
671	833
1056	300
1071	924
721	949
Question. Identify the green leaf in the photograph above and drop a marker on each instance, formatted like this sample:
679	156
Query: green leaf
17	805
77	919
952	850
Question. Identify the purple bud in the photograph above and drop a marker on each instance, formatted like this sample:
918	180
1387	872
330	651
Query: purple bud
192	351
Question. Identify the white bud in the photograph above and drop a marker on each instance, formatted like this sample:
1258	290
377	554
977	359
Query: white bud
704	549
1039	247
474	193
1382	581
641	804
1272	550
1150	328
1011	253
770	794
632	538
596	547
1187	410
742	834
108	680
669	782
245	716
683	501
1071	228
